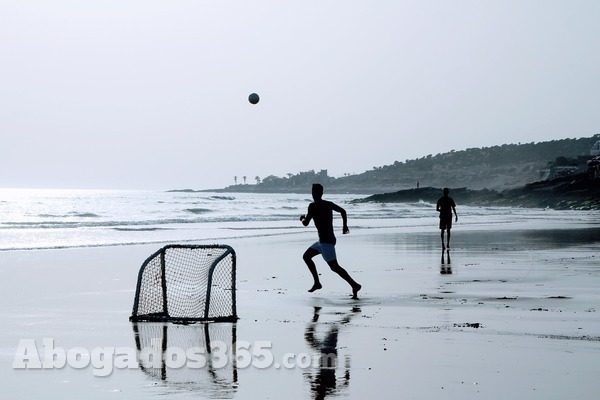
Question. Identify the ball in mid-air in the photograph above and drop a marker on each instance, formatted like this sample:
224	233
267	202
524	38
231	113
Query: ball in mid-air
253	98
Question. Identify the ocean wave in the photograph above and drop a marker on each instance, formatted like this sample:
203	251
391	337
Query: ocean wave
161	240
125	224
130	229
39	224
90	224
84	214
198	210
266	228
72	214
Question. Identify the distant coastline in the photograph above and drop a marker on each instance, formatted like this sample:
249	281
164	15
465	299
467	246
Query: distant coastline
565	175
576	192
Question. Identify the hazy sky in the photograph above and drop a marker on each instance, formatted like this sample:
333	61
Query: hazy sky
154	94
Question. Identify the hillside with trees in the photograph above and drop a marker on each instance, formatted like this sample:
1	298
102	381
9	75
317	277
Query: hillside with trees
574	192
496	168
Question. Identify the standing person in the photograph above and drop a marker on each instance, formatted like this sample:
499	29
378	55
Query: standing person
322	212
445	206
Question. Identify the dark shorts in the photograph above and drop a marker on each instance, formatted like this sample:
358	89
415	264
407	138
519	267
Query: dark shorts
327	250
446	223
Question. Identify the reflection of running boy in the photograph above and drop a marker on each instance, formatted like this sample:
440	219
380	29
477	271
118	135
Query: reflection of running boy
445	206
324	381
322	212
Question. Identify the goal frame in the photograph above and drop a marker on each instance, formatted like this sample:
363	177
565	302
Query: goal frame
164	316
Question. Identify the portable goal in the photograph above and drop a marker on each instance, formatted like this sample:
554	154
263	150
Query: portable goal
187	283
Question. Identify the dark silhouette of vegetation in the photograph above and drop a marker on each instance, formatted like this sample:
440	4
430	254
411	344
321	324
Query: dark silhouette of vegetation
300	181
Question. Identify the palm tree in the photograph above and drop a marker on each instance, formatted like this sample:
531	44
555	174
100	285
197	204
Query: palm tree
257	180
244	179
235	179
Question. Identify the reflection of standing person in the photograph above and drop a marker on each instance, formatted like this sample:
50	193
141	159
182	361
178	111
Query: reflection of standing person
322	212
445	268
445	206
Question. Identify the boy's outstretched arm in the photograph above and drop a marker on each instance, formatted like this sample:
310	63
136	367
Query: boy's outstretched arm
344	218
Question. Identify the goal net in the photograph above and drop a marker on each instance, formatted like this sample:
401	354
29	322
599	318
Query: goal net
187	283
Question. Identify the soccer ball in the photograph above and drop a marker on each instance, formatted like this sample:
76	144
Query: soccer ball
253	98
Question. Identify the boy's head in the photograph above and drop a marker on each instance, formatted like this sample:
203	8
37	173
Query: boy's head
317	191
446	191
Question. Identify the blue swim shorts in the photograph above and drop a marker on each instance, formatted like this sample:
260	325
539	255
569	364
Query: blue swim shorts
327	250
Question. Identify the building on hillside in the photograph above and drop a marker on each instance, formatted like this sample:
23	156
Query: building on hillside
564	170
563	166
593	167
595	150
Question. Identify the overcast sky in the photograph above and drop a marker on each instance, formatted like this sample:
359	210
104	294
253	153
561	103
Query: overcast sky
135	94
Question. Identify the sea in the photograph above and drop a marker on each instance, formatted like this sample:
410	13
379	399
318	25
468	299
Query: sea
53	218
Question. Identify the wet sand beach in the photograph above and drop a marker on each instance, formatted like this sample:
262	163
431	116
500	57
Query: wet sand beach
510	313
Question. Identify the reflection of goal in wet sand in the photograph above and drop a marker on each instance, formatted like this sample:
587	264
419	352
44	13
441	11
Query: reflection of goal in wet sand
160	346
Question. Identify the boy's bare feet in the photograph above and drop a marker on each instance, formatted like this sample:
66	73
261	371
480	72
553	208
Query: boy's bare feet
355	290
316	286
